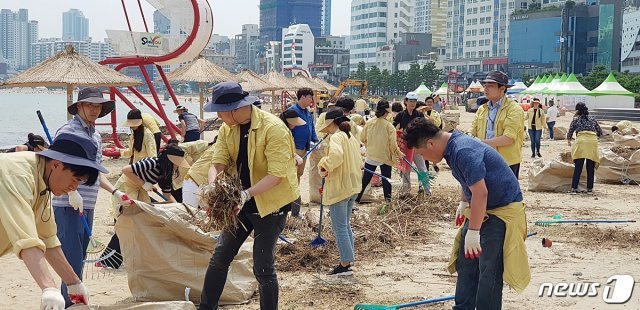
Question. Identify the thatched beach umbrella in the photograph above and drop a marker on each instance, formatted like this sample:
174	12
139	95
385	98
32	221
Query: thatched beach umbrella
202	71
68	69
328	86
304	81
280	80
254	83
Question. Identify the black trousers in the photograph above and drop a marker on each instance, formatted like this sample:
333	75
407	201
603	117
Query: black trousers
366	178
158	138
267	230
577	171
516	170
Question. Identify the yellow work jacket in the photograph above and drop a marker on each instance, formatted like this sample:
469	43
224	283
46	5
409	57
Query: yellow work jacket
541	119
361	105
509	122
270	152
199	171
515	258
194	149
380	139
150	122
343	163
26	216
148	148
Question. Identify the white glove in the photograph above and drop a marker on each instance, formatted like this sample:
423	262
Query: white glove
298	159
472	247
78	293
76	201
123	199
51	299
244	197
459	212
363	150
147	186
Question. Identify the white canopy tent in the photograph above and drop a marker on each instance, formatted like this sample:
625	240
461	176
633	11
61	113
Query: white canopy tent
423	92
610	94
570	93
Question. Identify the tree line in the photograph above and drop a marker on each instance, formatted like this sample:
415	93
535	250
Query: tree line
383	83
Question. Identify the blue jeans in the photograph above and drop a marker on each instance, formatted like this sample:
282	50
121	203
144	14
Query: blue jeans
191	135
340	213
535	136
550	125
479	284
74	240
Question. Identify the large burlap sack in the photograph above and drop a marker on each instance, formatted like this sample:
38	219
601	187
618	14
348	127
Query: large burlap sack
450	120
616	169
559	133
553	176
315	180
164	254
164	305
626	140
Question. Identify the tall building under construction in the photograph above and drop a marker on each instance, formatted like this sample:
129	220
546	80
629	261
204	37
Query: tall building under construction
278	14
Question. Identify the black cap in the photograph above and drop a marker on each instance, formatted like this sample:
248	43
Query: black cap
498	77
346	103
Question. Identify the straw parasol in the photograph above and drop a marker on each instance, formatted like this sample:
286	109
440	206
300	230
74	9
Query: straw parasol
328	86
304	81
279	80
68	68
254	83
202	71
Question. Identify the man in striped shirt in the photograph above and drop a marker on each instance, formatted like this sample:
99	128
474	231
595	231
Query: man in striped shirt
90	106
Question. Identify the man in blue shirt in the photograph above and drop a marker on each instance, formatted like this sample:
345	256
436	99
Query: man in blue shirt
90	106
303	136
488	185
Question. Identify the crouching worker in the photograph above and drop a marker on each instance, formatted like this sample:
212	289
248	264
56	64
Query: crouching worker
254	144
489	247
28	226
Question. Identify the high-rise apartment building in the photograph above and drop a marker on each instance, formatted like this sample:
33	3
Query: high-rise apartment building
75	27
430	16
161	24
326	18
16	35
375	24
479	30
47	48
246	47
276	15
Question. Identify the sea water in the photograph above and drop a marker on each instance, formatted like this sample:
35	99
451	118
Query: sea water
18	115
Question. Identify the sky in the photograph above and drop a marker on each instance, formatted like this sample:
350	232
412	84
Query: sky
228	15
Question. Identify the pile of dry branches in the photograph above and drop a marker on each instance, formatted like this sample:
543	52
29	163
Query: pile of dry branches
404	223
220	201
566	157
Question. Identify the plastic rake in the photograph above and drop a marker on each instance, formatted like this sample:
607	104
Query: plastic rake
425	178
97	253
405	305
547	223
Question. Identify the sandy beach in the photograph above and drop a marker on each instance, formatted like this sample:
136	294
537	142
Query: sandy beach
416	268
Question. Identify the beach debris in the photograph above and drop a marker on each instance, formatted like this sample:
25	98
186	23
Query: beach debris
220	201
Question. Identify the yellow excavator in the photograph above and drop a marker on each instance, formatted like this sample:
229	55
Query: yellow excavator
364	87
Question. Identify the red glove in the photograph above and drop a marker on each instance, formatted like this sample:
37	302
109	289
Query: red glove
112	152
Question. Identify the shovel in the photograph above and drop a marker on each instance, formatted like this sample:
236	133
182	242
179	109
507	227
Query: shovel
312	149
318	241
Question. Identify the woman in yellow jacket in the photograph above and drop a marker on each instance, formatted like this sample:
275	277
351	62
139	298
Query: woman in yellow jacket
585	148
142	143
379	138
536	121
341	169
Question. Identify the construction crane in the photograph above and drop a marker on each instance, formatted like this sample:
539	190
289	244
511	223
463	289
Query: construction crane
364	87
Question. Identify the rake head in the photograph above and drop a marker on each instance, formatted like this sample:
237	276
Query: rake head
105	262
318	242
427	180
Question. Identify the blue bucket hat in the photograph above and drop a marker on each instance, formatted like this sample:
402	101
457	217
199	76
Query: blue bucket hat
75	150
228	96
